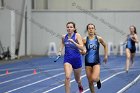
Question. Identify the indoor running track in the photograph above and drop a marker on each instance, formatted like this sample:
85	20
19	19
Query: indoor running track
42	75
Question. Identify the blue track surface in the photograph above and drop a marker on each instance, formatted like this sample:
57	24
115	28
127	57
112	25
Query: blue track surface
49	77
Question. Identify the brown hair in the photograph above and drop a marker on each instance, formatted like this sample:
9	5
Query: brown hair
94	27
135	31
75	31
90	24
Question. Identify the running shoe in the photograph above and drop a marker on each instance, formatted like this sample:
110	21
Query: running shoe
99	84
80	88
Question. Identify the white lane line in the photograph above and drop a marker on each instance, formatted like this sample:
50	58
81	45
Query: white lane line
70	81
84	69
61	85
37	73
110	78
15	72
28	75
16	78
22	71
129	85
106	79
34	83
29	85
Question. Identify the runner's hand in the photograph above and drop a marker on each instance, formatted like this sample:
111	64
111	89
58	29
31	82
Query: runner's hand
105	59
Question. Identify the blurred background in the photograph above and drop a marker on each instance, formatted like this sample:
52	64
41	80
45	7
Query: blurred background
34	27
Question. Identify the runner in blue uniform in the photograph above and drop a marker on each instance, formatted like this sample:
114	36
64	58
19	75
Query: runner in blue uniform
130	46
92	60
72	42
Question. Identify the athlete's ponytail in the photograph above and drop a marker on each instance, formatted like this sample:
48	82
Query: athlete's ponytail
135	31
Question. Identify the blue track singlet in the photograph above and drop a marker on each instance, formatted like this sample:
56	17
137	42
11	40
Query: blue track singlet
130	44
92	57
72	53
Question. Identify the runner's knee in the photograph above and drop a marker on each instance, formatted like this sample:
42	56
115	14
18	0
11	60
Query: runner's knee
67	78
95	79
